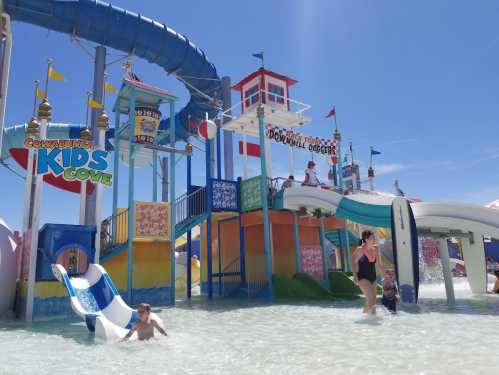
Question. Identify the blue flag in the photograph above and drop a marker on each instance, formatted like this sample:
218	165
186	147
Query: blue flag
258	55
374	152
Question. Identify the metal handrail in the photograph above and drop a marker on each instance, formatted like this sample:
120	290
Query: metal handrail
114	224
190	205
286	101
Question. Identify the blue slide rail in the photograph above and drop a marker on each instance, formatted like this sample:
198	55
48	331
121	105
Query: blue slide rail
130	32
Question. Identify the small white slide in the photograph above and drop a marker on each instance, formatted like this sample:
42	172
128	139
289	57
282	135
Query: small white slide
95	298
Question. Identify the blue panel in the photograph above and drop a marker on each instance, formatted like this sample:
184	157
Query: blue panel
132	320
224	195
364	213
127	31
55	238
102	293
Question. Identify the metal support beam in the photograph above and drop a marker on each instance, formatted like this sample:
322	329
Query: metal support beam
131	203
264	197
164	178
189	233
98	95
172	204
296	237
325	263
116	166
444	257
5	54
228	150
209	255
155	176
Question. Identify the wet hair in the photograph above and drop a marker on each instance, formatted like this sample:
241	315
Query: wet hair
365	236
311	164
496	272
144	306
291	177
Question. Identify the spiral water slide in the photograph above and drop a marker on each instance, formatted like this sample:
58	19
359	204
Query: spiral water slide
129	32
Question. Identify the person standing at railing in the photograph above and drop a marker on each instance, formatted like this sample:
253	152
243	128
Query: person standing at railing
289	182
310	175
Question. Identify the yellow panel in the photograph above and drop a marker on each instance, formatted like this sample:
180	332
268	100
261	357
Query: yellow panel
45	289
151	265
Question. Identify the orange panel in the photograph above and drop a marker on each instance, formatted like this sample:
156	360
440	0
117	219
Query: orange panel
283	249
255	253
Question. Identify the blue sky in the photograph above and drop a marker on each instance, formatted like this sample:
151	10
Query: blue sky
416	80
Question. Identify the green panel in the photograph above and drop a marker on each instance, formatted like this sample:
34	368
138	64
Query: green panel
250	194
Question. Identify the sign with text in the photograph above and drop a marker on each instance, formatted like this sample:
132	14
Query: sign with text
316	145
73	159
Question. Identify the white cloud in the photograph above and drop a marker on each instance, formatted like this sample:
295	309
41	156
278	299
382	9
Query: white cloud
387	168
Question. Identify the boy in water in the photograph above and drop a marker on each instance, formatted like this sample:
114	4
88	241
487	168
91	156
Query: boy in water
145	325
390	293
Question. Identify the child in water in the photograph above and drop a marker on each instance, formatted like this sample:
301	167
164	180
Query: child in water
145	325
390	293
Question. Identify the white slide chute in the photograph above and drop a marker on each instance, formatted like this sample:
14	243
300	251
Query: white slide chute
95	298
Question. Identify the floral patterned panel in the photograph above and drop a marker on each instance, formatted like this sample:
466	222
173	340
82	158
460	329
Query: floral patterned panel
311	261
224	195
152	220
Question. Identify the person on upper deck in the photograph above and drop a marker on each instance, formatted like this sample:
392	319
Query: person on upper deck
310	175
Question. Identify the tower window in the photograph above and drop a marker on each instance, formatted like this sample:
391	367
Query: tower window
276	94
251	96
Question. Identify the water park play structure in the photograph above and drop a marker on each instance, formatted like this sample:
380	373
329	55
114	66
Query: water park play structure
252	228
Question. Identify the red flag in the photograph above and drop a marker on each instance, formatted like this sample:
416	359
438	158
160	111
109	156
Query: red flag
332	112
252	149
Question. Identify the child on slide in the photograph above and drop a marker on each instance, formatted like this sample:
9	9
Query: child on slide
145	325
390	292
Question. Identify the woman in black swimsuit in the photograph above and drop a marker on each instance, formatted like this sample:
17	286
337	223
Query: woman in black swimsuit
364	265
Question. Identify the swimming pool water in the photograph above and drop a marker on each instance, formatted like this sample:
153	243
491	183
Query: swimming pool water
244	338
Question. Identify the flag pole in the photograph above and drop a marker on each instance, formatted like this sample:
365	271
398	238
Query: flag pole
49	64
371	156
37	84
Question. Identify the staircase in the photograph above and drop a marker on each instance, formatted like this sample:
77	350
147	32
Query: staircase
337	237
190	210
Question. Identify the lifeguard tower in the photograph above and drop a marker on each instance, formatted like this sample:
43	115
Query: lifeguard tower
265	101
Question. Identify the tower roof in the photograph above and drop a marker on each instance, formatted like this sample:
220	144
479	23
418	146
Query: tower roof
262	71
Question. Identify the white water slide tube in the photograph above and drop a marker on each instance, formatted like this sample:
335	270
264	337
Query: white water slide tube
95	298
375	210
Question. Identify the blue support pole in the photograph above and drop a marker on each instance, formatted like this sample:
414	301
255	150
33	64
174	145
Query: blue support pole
340	167
155	176
219	261
189	233
219	154
131	205
348	265
242	254
208	221
325	263
265	205
116	164
296	240
172	204
342	252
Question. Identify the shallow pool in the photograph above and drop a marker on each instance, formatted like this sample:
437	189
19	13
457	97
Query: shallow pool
224	338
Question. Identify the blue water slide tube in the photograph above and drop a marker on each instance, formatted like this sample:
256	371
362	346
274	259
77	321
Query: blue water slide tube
130	32
14	135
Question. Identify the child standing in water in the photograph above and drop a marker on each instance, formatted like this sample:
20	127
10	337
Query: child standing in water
145	325
390	293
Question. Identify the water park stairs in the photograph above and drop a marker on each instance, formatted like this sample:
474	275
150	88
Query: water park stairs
190	211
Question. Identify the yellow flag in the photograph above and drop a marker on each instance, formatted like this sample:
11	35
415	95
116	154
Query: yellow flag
94	104
40	94
110	88
55	75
